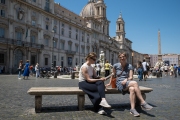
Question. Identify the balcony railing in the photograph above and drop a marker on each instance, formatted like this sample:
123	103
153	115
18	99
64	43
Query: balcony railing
21	43
70	52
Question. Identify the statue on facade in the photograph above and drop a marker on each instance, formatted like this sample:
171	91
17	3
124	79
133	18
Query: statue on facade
101	59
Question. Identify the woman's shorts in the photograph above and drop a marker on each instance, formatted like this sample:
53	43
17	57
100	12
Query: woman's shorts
122	87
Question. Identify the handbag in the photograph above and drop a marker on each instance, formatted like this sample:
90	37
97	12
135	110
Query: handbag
113	79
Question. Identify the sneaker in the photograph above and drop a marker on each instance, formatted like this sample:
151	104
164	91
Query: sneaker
104	104
146	106
102	112
134	112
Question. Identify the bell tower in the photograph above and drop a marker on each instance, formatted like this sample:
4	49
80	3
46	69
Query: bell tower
120	31
100	9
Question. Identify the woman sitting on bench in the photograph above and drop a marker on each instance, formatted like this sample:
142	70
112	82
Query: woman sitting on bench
124	75
92	85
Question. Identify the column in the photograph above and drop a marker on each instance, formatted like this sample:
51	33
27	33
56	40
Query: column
10	59
100	11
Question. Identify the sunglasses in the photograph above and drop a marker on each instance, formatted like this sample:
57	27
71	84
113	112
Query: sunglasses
122	57
93	59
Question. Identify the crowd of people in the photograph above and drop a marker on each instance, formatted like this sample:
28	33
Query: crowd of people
25	70
143	70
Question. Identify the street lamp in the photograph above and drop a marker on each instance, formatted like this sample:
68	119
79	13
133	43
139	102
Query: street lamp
132	58
52	66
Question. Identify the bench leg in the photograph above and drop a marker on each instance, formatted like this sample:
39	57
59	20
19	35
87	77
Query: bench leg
81	99
143	95
38	103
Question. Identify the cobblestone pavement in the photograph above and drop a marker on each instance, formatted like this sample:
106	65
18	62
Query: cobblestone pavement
16	104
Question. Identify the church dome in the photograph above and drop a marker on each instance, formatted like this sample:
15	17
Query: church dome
88	10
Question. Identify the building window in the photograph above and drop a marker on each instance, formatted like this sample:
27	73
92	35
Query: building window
82	38
47	27
55	29
2	1
69	34
47	19
47	5
46	42
62	24
69	47
76	48
2	32
55	22
62	46
1	58
76	30
19	36
69	27
2	13
87	40
34	0
87	50
33	23
54	44
46	61
76	36
82	50
33	39
62	31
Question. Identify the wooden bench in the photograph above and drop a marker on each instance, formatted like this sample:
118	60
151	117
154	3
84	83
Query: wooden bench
39	91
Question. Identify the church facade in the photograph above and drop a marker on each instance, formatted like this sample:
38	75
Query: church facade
47	33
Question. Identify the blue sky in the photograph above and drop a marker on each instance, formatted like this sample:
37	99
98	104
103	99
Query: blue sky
143	19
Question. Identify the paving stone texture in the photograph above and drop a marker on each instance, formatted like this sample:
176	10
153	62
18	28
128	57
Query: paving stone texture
16	104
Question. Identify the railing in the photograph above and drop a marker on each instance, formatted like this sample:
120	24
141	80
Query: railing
21	43
70	52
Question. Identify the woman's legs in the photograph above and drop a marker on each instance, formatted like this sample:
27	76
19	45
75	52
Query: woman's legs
132	97
136	90
95	91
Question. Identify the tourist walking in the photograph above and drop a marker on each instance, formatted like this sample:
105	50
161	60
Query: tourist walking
92	85
175	70
171	69
166	70
179	70
20	69
98	69
37	70
107	68
26	70
145	71
140	71
124	82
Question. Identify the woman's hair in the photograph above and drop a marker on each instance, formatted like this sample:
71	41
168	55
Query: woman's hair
123	53
27	60
107	61
139	64
20	61
90	55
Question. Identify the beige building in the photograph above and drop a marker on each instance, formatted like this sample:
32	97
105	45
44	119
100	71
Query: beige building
45	32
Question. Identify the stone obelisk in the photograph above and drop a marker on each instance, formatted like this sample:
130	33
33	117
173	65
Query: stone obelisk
159	46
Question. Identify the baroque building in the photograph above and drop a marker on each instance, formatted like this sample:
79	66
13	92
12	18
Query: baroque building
47	33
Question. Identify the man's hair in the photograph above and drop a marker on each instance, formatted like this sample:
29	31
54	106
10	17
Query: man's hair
144	60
